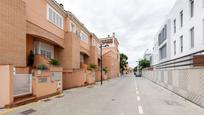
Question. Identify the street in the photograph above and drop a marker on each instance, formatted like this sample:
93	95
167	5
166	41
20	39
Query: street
120	96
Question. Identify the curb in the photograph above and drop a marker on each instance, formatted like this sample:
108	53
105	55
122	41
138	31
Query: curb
6	111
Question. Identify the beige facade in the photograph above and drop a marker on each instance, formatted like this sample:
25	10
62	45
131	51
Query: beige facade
45	28
13	32
111	56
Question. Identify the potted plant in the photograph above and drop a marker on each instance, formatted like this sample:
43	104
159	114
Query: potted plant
105	70
40	68
54	62
55	65
92	67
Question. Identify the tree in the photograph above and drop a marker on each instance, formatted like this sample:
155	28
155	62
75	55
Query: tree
135	69
31	57
144	63
30	61
123	62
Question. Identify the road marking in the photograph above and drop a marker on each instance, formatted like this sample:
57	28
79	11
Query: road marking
138	98
135	84
140	110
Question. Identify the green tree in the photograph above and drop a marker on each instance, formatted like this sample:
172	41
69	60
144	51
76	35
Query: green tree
31	57
144	63
123	62
135	69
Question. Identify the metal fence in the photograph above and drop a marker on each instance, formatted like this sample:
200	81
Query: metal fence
22	84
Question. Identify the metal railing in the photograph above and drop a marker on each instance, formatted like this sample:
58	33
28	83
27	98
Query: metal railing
22	84
184	61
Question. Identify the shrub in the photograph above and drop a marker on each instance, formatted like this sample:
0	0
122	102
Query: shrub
92	67
31	58
54	62
105	69
41	67
144	63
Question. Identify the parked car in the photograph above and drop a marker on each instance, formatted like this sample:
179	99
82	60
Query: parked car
138	74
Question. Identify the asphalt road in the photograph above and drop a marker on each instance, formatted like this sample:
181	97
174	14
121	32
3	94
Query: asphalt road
121	96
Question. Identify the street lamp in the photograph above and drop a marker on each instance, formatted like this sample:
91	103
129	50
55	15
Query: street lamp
101	47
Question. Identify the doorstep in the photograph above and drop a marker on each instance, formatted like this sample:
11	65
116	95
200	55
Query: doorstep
24	100
1	111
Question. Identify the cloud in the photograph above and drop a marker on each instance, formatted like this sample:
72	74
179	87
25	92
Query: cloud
135	21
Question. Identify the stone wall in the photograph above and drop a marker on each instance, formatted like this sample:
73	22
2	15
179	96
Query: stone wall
188	83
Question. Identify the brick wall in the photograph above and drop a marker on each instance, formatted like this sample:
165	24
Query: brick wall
12	32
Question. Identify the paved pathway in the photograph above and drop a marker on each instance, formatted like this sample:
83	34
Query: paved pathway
121	96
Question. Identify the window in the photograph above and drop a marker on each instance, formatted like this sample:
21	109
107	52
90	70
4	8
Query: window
84	37
174	25
163	52
72	27
163	35
174	47
82	58
181	18
54	17
192	36
93	42
44	49
181	44
191	8
46	53
203	3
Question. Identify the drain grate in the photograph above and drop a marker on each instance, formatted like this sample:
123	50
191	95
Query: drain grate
27	112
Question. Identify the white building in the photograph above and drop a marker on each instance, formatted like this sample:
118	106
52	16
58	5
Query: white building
148	56
182	33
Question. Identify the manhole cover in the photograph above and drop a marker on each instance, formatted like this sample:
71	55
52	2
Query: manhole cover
173	103
27	112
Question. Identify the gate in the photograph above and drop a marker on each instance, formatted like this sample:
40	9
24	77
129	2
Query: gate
22	84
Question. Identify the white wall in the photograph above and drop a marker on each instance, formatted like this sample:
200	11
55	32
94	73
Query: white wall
187	83
188	23
197	21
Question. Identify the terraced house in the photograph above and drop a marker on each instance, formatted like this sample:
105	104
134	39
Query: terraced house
45	49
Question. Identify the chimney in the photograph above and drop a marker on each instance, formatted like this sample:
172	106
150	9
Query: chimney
61	5
114	34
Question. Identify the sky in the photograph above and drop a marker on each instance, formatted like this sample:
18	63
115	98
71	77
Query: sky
135	22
